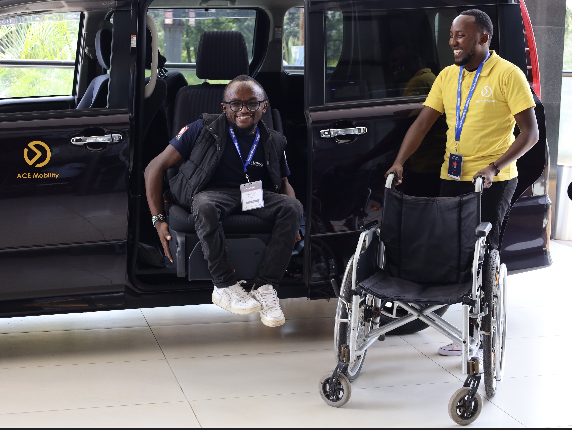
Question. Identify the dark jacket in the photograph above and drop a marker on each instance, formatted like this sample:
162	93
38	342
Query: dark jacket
196	172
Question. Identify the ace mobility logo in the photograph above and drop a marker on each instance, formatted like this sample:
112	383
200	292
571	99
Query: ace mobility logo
37	154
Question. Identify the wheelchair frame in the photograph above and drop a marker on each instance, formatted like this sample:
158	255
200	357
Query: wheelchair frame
363	311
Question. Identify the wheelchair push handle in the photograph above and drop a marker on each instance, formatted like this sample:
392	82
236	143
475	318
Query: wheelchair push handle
389	180
479	181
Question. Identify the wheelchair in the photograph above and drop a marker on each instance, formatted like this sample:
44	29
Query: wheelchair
428	253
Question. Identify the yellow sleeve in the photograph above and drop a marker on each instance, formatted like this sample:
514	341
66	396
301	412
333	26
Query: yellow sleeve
517	92
435	98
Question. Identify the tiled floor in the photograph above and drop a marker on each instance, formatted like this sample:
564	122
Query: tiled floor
201	366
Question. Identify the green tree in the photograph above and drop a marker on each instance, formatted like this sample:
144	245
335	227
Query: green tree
567	65
52	37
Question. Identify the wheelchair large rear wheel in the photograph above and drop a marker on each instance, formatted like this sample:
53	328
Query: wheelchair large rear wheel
342	326
494	323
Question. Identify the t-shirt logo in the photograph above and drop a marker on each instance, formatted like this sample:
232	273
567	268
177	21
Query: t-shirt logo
487	91
185	128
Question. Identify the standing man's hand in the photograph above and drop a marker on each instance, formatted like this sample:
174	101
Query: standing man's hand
164	235
398	169
488	174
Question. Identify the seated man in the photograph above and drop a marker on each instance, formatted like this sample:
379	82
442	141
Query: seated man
221	155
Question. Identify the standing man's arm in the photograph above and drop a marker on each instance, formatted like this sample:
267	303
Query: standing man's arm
413	139
528	136
154	189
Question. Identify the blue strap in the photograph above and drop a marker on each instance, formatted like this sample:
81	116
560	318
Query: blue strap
460	119
252	150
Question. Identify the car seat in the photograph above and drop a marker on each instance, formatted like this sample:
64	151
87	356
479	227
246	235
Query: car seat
222	55
96	94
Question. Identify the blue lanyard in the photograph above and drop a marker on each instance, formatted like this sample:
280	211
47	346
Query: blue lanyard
460	119
252	150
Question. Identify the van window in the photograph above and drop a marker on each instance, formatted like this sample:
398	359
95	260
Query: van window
376	54
179	32
293	41
37	54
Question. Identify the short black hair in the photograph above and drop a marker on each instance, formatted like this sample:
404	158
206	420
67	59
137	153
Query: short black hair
245	78
482	20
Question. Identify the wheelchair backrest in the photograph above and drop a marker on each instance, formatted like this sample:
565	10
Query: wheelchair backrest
430	240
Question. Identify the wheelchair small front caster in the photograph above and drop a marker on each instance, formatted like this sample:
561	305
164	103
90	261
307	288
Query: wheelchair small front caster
340	394
462	409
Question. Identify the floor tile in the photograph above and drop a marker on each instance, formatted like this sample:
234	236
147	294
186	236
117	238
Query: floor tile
536	401
76	321
206	314
87	385
284	373
78	347
157	415
405	406
183	341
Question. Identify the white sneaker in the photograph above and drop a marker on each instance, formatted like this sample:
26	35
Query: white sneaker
451	349
271	315
235	300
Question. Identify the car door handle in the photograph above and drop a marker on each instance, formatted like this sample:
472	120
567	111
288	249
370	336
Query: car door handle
96	143
333	132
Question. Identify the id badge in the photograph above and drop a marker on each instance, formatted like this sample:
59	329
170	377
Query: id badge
251	196
455	166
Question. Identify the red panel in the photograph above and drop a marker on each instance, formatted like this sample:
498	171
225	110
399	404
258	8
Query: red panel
532	49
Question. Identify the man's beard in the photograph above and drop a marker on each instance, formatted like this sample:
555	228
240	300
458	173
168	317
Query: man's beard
243	131
467	58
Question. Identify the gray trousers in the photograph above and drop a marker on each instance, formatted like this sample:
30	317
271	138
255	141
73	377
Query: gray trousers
210	206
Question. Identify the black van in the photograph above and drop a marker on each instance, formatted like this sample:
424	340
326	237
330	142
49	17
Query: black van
77	130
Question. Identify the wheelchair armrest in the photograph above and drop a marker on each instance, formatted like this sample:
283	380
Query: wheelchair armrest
483	229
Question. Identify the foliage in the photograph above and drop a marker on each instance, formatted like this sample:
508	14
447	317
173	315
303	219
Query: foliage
44	37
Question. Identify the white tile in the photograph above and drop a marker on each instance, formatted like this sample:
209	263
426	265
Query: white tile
406	406
87	385
75	321
208	313
536	401
156	415
78	347
284	373
199	340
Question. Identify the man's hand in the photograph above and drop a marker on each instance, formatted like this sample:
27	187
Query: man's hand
488	174
397	168
165	236
298	237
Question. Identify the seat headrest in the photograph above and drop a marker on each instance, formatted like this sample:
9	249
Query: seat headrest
103	47
222	55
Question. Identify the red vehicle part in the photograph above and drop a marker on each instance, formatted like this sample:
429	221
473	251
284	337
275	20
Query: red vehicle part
533	74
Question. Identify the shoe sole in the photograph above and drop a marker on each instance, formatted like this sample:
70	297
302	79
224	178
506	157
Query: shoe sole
272	323
450	353
236	311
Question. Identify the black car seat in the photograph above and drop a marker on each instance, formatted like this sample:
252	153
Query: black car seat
96	94
222	55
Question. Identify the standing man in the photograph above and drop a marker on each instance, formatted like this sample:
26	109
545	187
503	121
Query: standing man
482	96
224	155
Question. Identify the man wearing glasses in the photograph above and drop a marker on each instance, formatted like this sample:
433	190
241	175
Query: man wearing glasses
232	161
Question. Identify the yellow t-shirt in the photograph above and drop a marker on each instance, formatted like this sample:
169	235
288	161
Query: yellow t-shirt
501	92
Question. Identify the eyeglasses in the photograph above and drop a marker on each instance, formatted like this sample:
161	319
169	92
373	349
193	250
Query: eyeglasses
251	106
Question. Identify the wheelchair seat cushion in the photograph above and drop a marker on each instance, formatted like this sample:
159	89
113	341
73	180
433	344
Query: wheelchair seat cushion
182	221
386	287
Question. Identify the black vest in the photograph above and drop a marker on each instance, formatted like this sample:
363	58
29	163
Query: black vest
195	173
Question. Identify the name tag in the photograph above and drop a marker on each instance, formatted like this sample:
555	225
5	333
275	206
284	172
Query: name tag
251	196
455	166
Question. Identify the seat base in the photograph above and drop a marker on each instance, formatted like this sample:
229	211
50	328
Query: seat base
246	255
386	287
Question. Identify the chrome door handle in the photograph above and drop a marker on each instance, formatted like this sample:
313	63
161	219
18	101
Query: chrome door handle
333	132
108	138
